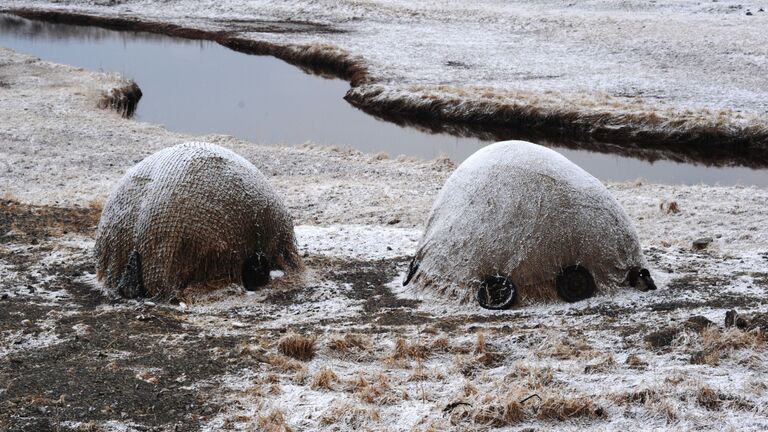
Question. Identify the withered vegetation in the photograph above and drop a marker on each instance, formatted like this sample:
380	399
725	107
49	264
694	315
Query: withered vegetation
297	346
324	379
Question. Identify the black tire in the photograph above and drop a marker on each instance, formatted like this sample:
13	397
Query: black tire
575	283
255	273
496	293
412	269
131	284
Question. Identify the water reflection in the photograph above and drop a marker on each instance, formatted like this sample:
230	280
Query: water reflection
200	87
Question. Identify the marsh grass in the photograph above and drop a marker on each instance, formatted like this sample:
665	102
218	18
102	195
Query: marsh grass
297	346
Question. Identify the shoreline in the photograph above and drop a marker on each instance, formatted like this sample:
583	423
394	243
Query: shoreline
608	125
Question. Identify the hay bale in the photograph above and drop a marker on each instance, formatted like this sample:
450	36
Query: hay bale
518	223
192	213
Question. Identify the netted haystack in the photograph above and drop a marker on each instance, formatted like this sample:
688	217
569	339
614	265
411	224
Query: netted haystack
192	213
518	223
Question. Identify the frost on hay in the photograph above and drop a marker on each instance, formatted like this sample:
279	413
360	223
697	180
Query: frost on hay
519	223
192	213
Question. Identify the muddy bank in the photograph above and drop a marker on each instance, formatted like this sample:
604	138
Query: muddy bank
629	126
647	136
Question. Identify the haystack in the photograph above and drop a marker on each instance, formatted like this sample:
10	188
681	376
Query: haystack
518	223
188	214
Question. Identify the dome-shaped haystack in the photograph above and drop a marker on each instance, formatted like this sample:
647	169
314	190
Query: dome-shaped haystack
518	223
192	213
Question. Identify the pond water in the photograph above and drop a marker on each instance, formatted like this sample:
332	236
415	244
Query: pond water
201	87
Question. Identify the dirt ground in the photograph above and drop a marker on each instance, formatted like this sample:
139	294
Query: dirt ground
367	354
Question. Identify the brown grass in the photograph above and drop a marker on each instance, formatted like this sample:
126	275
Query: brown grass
533	378
717	344
562	409
604	365
324	379
378	391
349	342
297	346
284	363
635	362
566	348
349	414
480	346
499	412
715	339
274	421
403	351
419	373
708	398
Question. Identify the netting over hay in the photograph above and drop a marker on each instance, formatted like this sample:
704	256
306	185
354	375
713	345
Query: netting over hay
518	214
195	212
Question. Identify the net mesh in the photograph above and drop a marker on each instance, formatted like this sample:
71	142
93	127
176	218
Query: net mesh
194	212
523	211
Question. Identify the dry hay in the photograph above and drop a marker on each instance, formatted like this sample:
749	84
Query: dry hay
274	421
518	223
195	213
297	346
325	378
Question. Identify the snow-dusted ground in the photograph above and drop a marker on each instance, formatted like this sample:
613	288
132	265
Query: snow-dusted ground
665	65
213	362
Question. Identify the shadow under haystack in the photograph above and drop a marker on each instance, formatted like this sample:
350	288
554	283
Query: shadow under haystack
518	223
195	213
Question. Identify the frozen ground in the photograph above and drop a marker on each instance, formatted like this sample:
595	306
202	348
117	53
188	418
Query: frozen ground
660	68
76	358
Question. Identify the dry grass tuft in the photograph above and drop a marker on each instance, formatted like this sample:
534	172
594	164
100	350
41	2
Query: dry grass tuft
377	392
403	350
349	414
441	344
635	362
419	373
325	378
717	344
561	409
708	398
635	397
499	412
605	365
533	378
297	346
349	341
300	377
285	364
566	348
273	422
719	340
480	346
